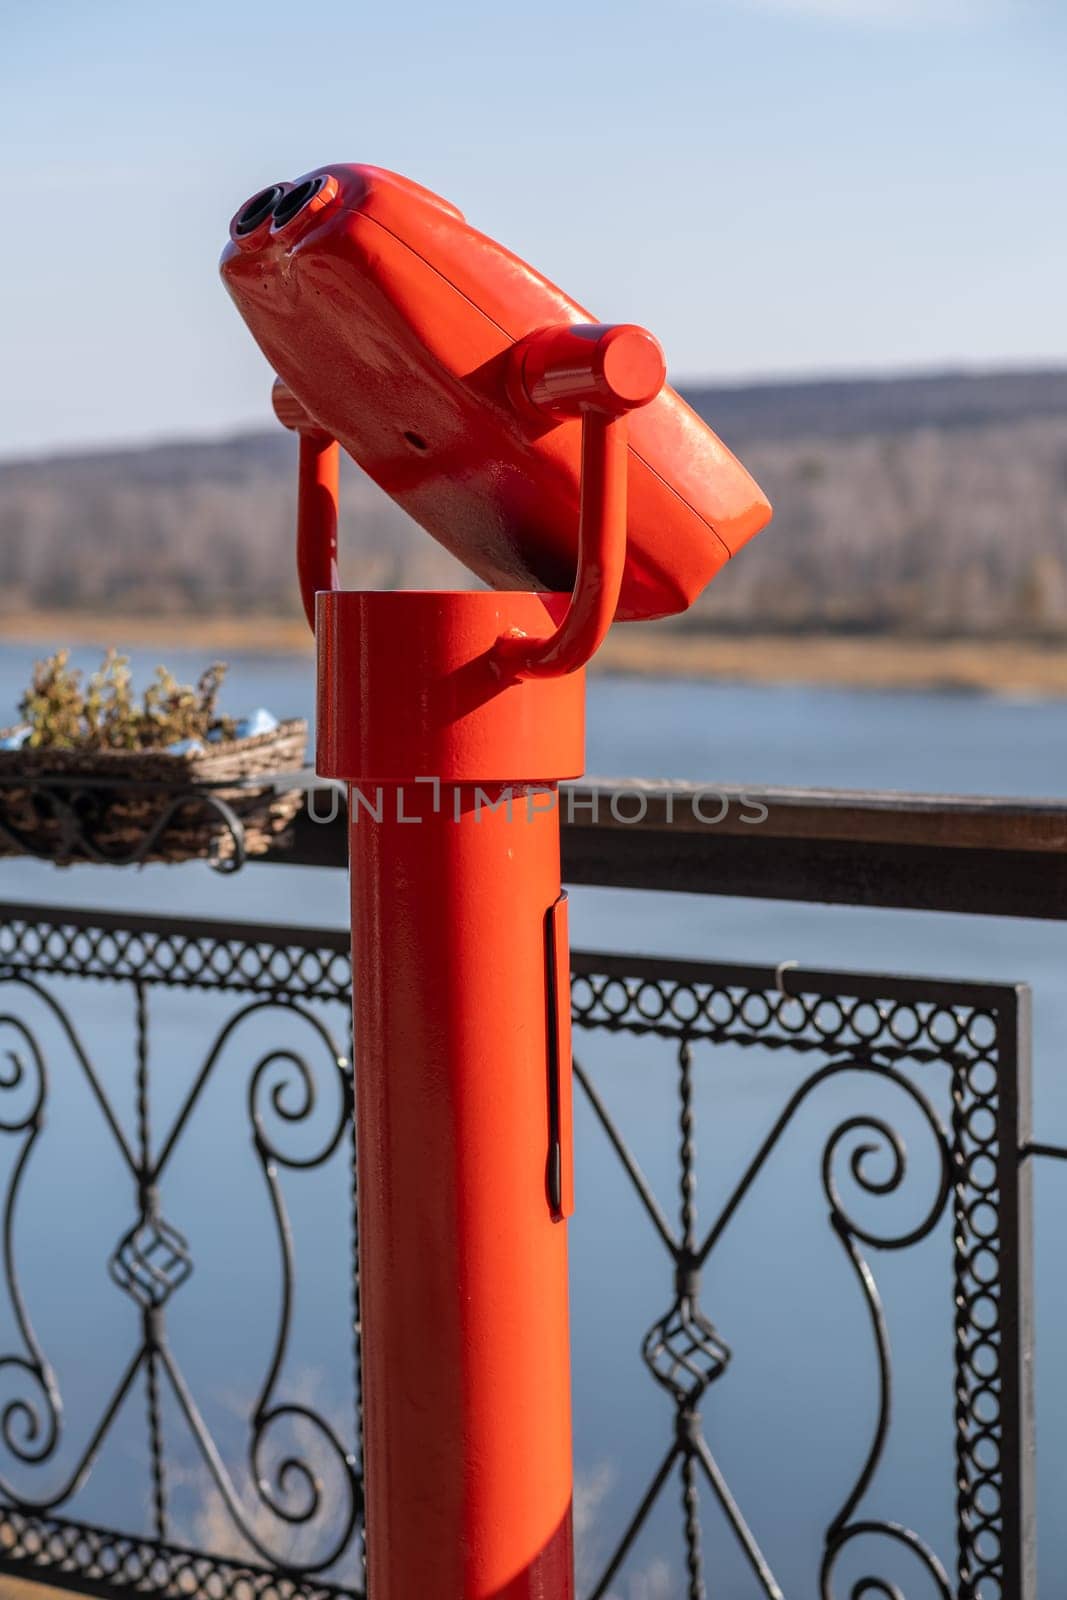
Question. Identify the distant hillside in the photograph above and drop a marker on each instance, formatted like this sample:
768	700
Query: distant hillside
842	408
934	504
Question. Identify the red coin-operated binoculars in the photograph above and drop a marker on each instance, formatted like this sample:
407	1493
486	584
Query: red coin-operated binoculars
544	451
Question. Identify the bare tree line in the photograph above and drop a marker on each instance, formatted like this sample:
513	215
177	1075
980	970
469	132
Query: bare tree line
936	530
950	526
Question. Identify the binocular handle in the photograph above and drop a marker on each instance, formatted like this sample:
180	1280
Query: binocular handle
599	373
591	371
316	499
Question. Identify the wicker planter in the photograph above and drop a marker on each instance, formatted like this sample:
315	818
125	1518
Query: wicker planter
120	807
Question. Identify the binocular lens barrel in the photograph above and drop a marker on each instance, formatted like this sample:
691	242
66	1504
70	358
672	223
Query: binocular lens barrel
258	209
296	199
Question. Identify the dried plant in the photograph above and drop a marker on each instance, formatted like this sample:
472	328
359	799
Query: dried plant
106	714
53	705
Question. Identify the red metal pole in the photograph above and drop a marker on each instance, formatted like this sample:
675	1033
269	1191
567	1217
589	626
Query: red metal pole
453	717
462	1045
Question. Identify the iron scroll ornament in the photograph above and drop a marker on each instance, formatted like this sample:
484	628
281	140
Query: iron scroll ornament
646	1006
151	1262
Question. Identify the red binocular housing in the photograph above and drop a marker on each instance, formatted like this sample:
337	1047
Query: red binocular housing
459	378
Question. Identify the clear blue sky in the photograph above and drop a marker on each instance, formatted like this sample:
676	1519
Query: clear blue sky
773	186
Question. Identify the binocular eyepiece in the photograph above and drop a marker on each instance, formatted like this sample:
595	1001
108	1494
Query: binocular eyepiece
281	203
258	209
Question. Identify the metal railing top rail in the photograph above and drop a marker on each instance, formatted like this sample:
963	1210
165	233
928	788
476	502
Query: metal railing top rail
181	952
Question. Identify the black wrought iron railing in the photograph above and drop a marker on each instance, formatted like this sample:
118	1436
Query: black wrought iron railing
955	1054
179	1374
277	1476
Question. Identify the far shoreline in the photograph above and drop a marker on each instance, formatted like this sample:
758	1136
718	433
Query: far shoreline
1014	667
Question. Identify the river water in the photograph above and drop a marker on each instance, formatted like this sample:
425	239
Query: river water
791	1419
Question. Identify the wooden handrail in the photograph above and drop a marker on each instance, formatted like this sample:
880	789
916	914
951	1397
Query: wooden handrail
972	854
